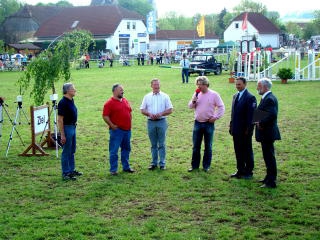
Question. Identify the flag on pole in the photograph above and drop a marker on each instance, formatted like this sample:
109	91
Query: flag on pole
245	22
201	28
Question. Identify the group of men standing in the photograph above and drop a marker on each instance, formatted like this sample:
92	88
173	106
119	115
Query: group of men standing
156	106
242	125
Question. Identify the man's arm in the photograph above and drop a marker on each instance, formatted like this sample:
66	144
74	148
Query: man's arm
61	128
108	121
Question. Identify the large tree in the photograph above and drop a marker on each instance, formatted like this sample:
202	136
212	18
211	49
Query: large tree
54	63
141	6
62	3
173	21
8	7
250	6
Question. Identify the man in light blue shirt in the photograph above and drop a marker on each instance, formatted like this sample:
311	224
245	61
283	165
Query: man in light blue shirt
184	64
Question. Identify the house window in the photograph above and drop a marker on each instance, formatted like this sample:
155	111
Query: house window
128	25
133	25
236	25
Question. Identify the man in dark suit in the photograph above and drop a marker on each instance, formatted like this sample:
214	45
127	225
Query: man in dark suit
267	130
241	128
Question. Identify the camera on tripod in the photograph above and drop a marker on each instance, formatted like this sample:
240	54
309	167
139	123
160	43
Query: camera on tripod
54	97
19	100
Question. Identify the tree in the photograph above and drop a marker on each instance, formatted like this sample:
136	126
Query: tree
312	28
294	28
173	21
250	6
8	7
141	6
62	3
54	63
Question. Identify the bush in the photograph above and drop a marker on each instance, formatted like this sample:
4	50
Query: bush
285	73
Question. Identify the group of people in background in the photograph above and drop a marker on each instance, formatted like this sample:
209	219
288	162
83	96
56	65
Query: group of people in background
156	106
16	61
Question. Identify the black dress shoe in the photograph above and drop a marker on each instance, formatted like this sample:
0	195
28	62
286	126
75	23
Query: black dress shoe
76	173
69	177
206	169
236	175
191	169
152	167
267	185
262	181
129	170
162	168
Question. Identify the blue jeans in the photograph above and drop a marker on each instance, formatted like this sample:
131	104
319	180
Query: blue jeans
202	130
68	150
119	138
157	135
185	75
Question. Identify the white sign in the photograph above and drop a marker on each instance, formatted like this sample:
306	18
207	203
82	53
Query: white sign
40	118
151	22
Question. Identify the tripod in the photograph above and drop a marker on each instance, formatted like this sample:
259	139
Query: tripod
14	123
53	98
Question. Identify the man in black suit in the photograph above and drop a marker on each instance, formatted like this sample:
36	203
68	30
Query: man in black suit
267	130
241	129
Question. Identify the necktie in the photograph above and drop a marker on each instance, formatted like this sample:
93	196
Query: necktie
237	98
184	62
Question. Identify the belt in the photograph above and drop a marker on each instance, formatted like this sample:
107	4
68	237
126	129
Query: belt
71	124
155	119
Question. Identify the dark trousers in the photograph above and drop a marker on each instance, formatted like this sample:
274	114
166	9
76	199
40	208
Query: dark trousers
270	161
244	154
185	75
202	130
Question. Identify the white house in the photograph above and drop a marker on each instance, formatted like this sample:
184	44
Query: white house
257	25
181	39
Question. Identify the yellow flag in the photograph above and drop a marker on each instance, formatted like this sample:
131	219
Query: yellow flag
201	28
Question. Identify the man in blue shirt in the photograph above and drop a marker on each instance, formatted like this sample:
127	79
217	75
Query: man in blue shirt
184	64
67	121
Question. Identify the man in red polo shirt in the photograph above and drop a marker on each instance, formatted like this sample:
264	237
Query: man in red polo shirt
117	114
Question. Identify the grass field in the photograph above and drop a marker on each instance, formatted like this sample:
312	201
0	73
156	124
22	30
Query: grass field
36	204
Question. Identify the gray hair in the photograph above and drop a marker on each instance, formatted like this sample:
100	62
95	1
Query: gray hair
66	87
203	80
265	82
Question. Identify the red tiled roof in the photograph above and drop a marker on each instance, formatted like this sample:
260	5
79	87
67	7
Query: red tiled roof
99	20
38	13
179	34
21	46
260	22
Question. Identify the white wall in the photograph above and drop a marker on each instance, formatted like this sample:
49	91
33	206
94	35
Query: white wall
170	45
235	33
137	37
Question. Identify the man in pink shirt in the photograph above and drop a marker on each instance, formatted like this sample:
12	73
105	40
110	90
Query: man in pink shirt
208	107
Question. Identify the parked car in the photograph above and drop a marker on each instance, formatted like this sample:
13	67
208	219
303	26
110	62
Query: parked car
204	64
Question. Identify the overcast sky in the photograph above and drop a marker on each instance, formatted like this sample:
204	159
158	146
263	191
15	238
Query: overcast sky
189	8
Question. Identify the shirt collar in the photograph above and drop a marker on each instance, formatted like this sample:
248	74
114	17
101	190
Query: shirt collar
265	94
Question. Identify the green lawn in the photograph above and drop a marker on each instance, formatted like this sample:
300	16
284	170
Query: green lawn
173	204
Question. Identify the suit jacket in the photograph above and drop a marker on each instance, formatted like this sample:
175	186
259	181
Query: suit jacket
242	113
268	128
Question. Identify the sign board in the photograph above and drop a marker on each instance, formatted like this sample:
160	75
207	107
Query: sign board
142	34
151	22
40	123
124	35
40	118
